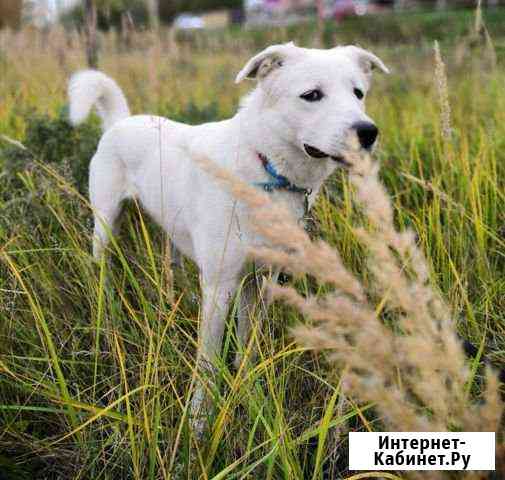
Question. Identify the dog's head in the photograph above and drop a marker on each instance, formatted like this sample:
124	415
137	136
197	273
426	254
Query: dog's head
315	98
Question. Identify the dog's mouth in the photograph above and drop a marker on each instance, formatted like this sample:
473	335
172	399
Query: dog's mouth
316	153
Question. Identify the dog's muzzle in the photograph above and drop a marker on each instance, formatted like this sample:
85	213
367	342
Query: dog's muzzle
316	153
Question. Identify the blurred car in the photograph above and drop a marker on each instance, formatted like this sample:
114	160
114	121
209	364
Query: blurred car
253	4
187	21
349	8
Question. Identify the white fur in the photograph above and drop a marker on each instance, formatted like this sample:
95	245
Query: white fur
90	88
151	159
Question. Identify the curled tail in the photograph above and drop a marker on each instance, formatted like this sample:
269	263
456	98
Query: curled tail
90	88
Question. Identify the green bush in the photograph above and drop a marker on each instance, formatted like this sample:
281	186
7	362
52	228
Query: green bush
53	141
192	113
392	28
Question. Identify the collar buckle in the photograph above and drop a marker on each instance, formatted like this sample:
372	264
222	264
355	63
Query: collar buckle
280	182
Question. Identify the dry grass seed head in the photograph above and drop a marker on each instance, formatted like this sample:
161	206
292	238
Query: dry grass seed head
415	372
443	94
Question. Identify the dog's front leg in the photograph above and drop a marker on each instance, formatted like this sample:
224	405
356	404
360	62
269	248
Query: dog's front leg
216	297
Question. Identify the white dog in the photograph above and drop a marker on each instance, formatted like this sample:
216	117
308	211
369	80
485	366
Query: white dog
287	137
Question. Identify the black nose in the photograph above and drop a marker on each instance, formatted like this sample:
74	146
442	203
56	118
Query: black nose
367	133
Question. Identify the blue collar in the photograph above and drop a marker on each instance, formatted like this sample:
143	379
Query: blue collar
280	182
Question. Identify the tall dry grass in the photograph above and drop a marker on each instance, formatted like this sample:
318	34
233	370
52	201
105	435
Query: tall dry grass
392	336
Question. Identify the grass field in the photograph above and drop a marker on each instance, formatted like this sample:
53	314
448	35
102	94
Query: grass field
95	369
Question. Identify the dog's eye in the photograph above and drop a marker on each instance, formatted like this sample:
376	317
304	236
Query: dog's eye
359	93
312	95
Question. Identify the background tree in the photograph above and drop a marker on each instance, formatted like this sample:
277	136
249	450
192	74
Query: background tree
90	29
153	10
10	13
109	13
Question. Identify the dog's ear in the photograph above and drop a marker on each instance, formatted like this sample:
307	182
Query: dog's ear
264	62
366	60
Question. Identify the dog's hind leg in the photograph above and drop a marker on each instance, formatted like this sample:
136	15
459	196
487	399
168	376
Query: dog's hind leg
107	189
248	307
253	307
176	257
